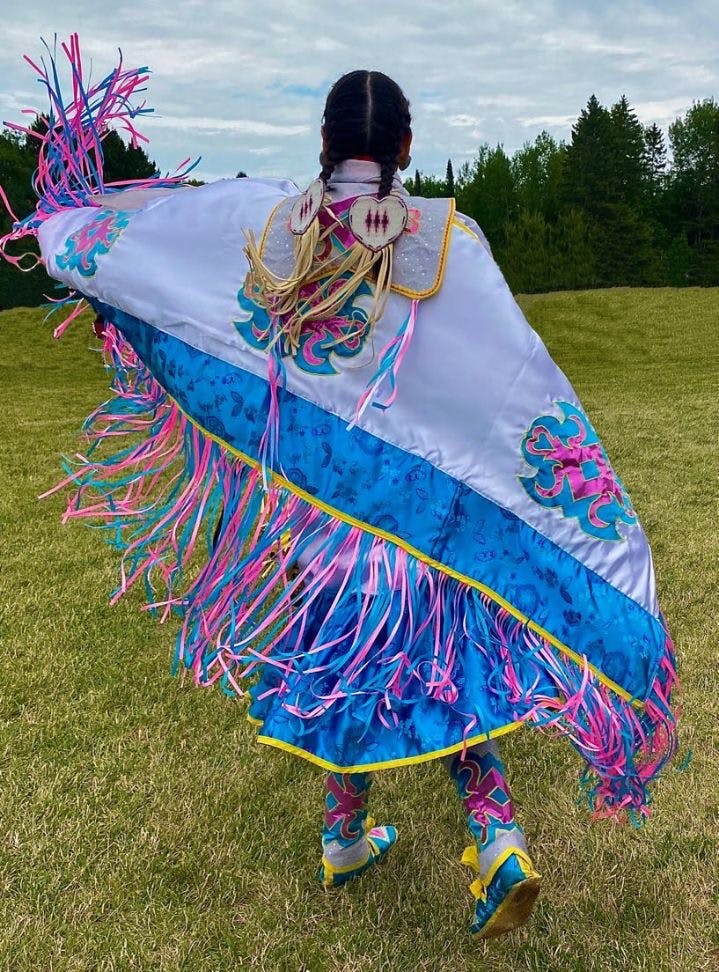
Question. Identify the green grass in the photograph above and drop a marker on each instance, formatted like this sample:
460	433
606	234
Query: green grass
141	827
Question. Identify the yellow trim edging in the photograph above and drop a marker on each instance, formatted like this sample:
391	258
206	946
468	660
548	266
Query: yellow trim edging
387	764
465	229
580	660
441	264
436	284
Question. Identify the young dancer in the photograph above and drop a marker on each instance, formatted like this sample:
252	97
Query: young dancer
413	540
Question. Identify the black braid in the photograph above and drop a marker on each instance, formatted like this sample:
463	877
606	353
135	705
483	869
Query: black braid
366	114
329	160
327	170
389	167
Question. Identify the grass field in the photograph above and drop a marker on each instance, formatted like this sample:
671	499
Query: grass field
142	828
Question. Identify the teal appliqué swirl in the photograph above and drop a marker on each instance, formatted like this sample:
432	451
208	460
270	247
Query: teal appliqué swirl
323	344
92	240
573	473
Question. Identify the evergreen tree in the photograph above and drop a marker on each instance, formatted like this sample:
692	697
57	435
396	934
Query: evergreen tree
627	156
625	248
655	160
607	179
32	144
122	162
587	182
17	163
428	186
694	188
539	256
449	178
678	262
537	169
433	188
486	191
16	168
571	253
655	152
525	258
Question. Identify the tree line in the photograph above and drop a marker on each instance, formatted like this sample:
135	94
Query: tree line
616	205
613	206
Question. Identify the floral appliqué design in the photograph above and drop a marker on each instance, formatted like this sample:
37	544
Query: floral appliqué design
93	239
574	474
414	220
322	342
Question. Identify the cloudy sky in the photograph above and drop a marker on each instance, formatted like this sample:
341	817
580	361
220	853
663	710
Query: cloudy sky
242	82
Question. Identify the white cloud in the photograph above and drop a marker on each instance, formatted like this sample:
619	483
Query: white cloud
462	121
548	121
503	101
661	112
697	74
15	101
234	126
582	42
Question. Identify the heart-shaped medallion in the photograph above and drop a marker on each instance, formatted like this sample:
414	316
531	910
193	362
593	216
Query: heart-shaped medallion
377	222
306	207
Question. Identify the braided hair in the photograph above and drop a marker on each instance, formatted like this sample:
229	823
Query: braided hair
366	113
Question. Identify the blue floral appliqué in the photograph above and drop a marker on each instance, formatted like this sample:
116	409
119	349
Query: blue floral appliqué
322	342
573	473
93	239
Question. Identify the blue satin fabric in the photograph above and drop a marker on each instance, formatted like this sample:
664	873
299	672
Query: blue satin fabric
360	731
387	488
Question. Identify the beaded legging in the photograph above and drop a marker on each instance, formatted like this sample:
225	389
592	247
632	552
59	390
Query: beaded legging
481	783
479	775
343	833
346	806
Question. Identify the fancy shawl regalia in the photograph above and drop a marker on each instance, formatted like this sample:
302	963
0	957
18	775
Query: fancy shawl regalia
382	512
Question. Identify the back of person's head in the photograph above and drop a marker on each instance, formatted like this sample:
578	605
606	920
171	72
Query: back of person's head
366	114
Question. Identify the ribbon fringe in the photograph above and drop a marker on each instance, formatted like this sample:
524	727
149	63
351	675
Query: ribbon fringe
69	145
196	526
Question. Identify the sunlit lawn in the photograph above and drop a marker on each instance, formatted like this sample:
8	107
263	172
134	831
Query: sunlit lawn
141	827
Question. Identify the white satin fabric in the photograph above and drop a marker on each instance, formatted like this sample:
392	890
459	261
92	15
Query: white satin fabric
473	380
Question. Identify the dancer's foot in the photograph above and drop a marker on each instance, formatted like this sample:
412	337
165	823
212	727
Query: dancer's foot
505	895
378	840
